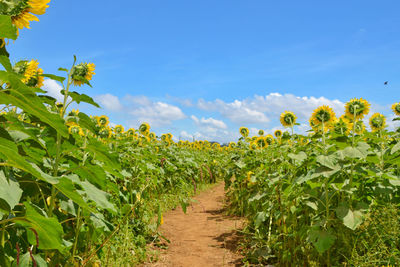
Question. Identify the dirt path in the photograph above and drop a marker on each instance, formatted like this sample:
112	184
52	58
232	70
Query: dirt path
204	236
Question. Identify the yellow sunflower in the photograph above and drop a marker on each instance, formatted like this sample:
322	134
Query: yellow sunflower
261	142
278	133
253	145
377	122
323	114
82	73
152	135
118	129
244	131
232	145
22	12
288	119
342	126
396	108
359	127
269	139
102	120
357	108
144	128
130	132
260	132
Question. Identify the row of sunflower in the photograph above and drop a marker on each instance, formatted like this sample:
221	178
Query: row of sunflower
327	198
69	182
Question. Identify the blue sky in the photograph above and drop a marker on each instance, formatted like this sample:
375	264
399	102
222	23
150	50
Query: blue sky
205	68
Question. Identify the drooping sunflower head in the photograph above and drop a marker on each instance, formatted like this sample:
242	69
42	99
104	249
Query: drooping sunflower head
82	73
74	128
244	131
261	142
357	108
144	128
278	134
102	120
269	139
22	11
323	114
286	135
396	108
377	122
260	132
342	126
31	73
359	127
288	119
152	135
105	132
232	145
253	145
119	129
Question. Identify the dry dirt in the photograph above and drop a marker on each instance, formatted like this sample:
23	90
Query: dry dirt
204	236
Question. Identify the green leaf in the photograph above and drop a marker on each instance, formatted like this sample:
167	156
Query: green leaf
99	197
321	239
26	261
299	157
327	161
395	148
86	122
54	77
7	29
81	98
49	230
9	190
5	61
351	219
260	218
24	98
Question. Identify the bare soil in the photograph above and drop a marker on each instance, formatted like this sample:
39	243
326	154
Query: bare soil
204	236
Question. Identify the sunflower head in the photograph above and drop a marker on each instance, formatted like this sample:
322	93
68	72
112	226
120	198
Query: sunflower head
130	132
152	135
359	127
102	121
377	122
22	12
253	145
278	133
396	108
119	129
31	73
144	128
244	131
169	136
357	108
164	137
261	142
260	132
288	119
342	126
232	145
269	139
82	73
323	114
105	132
286	135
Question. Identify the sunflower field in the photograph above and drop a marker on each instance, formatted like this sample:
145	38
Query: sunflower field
73	190
330	198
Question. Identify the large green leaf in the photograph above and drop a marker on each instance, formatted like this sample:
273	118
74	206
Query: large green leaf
26	261
7	29
351	219
24	98
81	98
10	191
327	161
321	239
99	197
49	230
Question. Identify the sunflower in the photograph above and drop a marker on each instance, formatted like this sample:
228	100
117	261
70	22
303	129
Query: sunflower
377	122
130	132
278	133
342	125
22	12
323	115
269	139
396	108
152	135
260	132
244	131
36	80
253	145
144	128
359	127
74	112
102	121
169	136
118	129
232	145
74	128
247	139
82	73
261	142
164	137
357	107
304	141
105	132
288	119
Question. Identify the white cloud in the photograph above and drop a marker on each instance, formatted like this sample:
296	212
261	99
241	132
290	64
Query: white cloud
53	89
109	101
261	109
155	113
210	122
